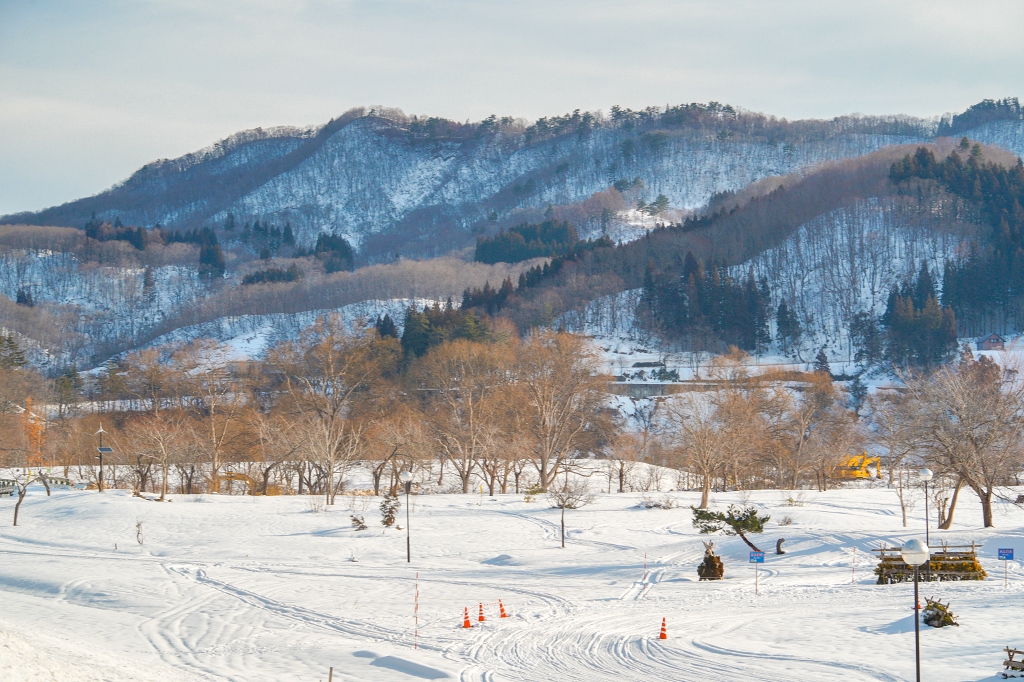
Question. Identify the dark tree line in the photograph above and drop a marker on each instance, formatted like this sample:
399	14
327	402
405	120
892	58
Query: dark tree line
707	307
919	331
436	324
526	241
271	275
105	232
988	282
491	300
333	251
263	236
985	111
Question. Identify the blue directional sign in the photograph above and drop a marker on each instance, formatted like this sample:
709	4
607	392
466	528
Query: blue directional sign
757	557
1006	554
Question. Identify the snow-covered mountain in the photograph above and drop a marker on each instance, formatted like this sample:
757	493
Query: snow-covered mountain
392	183
379	180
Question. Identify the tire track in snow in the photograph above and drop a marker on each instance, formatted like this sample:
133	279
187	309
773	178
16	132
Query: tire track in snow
302	615
589	646
553	530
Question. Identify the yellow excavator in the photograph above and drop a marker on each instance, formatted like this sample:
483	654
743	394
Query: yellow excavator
253	488
856	467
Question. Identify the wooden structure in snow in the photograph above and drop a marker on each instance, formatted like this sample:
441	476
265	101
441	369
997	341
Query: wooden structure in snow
947	562
1013	664
711	568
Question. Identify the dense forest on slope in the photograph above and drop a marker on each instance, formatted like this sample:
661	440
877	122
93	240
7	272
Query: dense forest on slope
977	115
527	241
750	198
985	286
389	182
891	226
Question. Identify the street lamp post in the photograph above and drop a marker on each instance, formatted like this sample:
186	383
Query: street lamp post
102	450
915	553
926	475
406	478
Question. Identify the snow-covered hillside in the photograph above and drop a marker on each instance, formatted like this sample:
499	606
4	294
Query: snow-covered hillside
1006	134
837	265
846	262
111	587
368	174
248	337
361	181
111	302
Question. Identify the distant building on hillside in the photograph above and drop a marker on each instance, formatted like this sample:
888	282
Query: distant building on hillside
992	342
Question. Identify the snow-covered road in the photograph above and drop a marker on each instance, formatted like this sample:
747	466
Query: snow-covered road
238	588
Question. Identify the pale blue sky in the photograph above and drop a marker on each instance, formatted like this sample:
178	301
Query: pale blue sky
90	91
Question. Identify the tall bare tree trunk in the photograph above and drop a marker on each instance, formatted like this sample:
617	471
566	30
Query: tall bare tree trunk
705	492
986	508
23	490
948	521
563	524
163	482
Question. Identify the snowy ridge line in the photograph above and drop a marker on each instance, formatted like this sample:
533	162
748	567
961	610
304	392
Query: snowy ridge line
323	191
361	175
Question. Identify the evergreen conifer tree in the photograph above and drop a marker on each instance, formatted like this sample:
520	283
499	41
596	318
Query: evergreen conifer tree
148	284
416	334
386	327
787	325
469	328
858	391
211	260
11	356
821	362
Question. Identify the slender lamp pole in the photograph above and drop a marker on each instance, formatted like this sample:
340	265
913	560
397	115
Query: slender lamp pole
406	478
915	553
926	475
102	450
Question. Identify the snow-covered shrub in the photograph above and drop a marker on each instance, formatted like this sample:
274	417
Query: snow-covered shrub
665	502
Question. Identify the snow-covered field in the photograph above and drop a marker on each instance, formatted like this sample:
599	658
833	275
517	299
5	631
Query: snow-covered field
242	588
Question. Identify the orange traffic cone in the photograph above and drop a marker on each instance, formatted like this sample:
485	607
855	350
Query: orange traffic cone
501	607
465	618
481	618
664	632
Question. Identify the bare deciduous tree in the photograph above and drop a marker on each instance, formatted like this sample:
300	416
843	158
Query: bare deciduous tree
465	404
570	493
972	420
561	400
329	373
